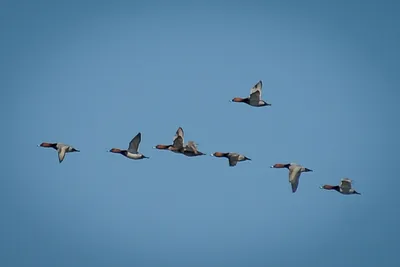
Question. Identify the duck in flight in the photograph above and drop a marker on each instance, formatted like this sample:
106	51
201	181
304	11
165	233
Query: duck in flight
255	97
62	149
344	187
233	158
294	173
133	150
178	146
177	142
191	150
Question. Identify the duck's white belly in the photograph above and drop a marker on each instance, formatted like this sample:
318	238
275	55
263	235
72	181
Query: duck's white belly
133	156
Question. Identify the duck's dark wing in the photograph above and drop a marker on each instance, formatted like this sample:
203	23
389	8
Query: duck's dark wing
134	144
233	160
255	92
178	138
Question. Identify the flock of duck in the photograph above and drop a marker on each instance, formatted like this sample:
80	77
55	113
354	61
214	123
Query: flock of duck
190	149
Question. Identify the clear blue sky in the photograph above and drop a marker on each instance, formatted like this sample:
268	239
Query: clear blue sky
93	75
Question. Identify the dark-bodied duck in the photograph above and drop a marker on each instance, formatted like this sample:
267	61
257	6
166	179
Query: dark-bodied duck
344	187
255	97
233	158
177	143
62	149
294	173
133	150
190	150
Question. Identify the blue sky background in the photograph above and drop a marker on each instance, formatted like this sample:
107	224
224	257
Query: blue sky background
94	74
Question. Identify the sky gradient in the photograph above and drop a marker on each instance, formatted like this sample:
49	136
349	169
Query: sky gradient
93	75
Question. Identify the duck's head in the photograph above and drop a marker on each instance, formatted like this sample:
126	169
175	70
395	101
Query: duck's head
281	165
115	150
162	146
218	154
238	99
44	144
